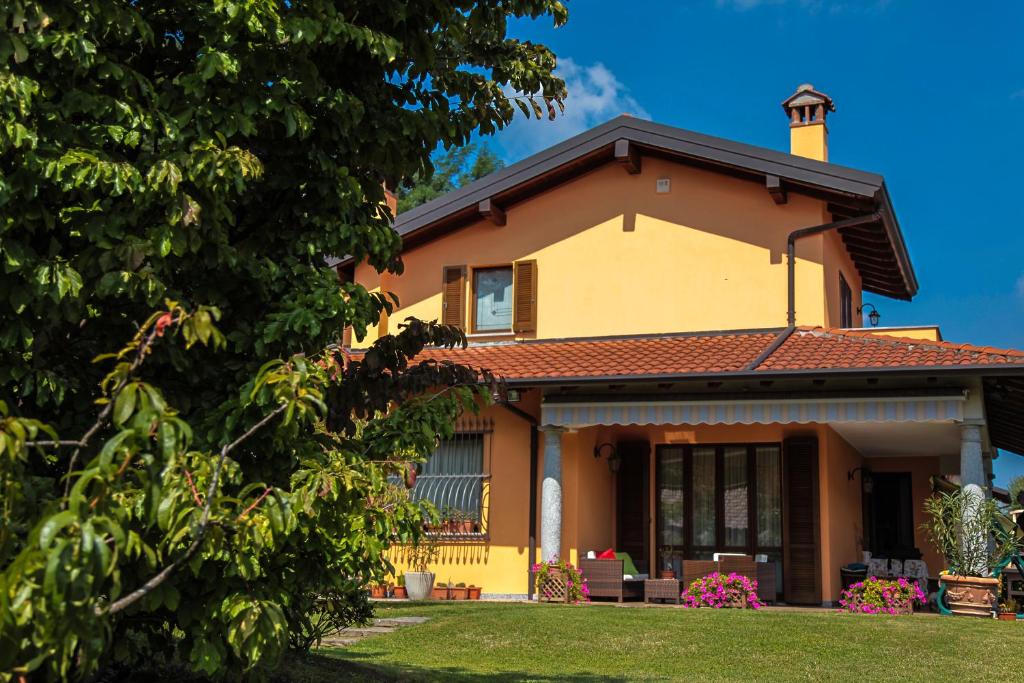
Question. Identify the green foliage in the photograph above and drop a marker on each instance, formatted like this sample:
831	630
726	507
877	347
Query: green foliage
957	519
451	170
216	156
1016	489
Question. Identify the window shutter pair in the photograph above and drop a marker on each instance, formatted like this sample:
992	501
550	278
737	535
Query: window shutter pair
524	294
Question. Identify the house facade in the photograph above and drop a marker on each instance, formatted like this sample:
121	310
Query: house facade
678	319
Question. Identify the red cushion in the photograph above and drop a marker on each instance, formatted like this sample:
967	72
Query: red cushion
607	555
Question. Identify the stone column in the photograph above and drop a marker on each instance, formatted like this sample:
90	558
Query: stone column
972	465
972	479
551	494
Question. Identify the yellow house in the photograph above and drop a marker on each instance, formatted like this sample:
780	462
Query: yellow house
678	319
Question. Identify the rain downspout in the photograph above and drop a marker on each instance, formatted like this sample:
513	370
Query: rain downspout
805	232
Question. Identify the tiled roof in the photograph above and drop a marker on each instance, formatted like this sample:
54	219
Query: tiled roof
807	348
667	355
812	348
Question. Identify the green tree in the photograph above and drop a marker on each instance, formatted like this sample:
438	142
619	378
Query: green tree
1016	488
451	170
204	160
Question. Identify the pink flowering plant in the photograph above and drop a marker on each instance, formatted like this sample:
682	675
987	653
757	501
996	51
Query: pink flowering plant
882	596
722	590
549	574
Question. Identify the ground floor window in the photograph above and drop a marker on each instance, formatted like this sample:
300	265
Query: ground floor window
723	498
453	480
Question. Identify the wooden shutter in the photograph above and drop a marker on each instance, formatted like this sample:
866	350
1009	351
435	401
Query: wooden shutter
524	310
453	295
801	553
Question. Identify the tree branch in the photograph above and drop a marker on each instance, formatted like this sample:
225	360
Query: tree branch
204	524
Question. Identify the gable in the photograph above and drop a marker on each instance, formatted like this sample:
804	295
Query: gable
878	249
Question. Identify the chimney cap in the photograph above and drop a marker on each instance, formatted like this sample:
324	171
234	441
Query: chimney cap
806	95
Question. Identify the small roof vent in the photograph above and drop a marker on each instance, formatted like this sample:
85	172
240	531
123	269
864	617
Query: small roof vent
807	106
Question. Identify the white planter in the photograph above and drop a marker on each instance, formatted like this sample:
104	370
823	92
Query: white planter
419	584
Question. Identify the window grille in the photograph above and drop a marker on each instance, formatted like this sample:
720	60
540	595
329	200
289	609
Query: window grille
454	478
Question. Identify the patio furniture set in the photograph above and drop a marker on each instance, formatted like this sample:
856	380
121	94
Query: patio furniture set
606	578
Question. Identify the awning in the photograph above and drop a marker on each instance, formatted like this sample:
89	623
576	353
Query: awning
948	408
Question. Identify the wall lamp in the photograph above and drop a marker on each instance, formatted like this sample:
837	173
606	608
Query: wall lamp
866	480
874	316
614	460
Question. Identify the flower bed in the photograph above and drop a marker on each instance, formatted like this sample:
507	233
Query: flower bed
722	590
882	596
559	581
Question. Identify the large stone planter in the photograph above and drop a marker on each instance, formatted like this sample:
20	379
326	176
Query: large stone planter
970	596
419	584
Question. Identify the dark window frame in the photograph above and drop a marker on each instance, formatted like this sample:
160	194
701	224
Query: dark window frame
845	303
688	550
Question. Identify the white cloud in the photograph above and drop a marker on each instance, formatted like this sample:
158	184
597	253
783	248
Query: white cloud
594	96
832	6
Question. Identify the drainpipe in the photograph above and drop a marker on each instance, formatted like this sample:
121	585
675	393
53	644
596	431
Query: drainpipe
805	232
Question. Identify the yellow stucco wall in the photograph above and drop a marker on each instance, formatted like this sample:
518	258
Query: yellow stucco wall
842	520
613	257
809	141
499	563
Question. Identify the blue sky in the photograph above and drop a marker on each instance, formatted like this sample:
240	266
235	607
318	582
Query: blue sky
929	93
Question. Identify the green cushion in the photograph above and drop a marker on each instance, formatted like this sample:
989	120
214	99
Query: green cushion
627	564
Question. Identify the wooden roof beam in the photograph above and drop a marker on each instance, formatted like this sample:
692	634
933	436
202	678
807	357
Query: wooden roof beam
774	186
628	155
492	212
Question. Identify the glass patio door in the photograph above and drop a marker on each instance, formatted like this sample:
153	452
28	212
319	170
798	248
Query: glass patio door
725	498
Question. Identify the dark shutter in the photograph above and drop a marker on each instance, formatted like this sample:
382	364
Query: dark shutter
802	560
453	293
524	312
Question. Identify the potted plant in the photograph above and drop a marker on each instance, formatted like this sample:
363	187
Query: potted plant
559	581
378	591
667	571
418	583
457	592
882	596
1008	610
975	538
470	523
473	592
440	592
400	593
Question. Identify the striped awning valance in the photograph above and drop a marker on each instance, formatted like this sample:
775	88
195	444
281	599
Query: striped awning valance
775	411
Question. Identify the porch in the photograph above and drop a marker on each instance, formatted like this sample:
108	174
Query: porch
804	484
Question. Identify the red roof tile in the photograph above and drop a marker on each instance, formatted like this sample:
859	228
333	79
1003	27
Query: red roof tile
808	348
811	348
668	355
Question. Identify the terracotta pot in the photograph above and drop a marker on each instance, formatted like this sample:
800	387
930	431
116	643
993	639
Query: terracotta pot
400	592
970	596
378	592
439	593
667	574
458	593
1007	616
464	527
474	592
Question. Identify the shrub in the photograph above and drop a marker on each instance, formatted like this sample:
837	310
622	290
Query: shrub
722	590
576	584
882	596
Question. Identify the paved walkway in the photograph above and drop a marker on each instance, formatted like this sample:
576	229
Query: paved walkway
378	627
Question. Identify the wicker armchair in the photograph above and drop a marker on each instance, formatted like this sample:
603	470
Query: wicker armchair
697	569
604	580
742	565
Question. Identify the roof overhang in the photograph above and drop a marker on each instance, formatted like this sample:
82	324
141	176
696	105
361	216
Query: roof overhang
877	249
1004	411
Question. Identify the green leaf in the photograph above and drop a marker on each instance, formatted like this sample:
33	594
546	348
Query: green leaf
124	405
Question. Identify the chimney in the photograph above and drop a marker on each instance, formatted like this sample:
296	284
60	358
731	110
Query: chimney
808	130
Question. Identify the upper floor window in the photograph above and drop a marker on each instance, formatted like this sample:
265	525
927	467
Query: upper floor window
492	299
845	303
501	298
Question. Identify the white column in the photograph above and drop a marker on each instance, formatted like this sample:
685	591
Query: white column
972	479
551	494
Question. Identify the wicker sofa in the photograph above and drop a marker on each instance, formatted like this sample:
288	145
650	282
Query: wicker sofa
605	580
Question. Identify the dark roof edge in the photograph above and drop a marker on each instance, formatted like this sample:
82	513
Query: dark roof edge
934	370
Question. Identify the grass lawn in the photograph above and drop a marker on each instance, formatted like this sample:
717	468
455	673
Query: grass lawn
582	644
